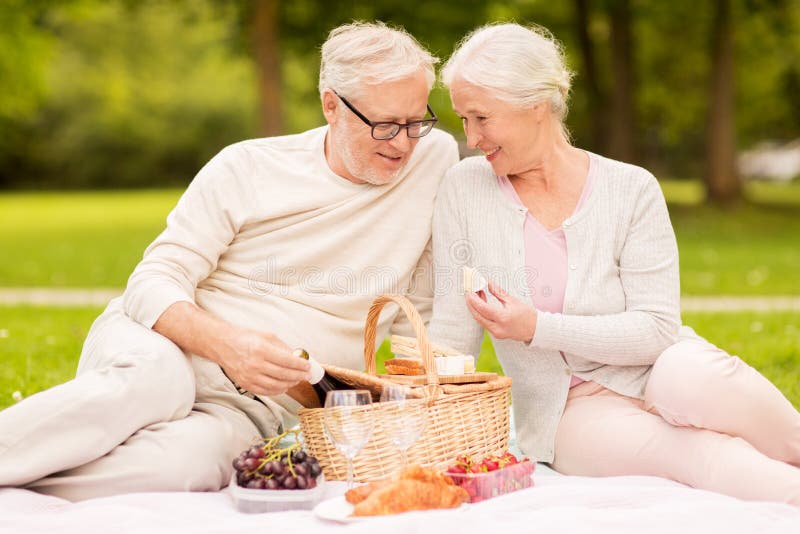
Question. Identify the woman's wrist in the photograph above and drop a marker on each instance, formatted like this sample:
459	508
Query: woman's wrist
531	318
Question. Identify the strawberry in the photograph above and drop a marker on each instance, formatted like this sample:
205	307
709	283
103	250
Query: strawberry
464	459
457	469
491	464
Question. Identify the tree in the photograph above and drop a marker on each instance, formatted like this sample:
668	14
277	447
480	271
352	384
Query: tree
268	65
594	94
610	99
721	179
622	122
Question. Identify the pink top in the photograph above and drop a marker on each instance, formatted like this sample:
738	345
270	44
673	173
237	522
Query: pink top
546	254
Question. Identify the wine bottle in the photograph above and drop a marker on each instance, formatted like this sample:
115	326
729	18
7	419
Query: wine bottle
320	380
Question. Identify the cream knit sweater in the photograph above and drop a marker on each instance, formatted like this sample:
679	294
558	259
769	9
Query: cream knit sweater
621	306
268	237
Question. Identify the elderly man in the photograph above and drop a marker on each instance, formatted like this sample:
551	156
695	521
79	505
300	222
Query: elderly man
277	243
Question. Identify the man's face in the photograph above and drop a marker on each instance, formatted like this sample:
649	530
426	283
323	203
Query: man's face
352	152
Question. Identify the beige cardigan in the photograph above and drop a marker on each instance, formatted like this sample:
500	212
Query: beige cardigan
622	300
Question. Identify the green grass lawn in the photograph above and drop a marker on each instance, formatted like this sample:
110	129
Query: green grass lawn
94	239
78	239
39	346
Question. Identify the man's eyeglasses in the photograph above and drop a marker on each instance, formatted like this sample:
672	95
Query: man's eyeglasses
388	130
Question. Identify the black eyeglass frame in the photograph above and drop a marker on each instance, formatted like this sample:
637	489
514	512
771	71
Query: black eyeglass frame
397	126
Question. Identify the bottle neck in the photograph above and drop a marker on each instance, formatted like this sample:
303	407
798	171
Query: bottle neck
317	372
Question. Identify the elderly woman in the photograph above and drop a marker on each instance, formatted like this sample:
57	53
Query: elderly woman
583	299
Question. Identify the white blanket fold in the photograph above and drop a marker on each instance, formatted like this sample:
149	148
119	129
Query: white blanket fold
641	505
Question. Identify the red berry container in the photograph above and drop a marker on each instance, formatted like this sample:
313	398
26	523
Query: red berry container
485	485
259	501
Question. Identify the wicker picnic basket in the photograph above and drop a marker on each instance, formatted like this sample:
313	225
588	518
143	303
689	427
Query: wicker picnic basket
468	418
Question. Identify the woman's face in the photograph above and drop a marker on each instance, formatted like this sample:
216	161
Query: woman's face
510	137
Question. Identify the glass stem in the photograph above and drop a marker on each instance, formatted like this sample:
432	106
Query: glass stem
403	457
350	475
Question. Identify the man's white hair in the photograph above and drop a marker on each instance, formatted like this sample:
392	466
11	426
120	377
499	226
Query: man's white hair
366	53
522	66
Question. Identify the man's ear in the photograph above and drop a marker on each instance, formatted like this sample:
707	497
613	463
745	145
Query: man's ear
330	106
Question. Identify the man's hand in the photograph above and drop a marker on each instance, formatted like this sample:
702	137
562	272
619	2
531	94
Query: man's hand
257	361
513	319
261	363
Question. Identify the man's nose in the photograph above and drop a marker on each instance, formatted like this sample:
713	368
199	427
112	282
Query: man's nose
401	141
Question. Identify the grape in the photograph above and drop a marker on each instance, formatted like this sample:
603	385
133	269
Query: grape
256	452
315	469
301	469
251	464
266	469
267	466
278	469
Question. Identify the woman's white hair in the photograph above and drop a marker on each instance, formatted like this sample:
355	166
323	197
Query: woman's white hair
522	66
364	53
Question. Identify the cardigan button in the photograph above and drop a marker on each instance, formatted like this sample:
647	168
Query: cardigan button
567	222
567	372
573	266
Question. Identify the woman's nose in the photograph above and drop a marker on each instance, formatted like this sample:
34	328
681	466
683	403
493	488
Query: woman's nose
472	137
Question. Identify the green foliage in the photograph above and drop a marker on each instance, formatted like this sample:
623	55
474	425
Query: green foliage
139	93
25	51
99	94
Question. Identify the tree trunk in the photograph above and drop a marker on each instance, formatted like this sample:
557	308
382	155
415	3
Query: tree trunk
722	181
622	121
268	65
596	106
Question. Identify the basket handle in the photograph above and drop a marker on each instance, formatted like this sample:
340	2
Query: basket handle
371	326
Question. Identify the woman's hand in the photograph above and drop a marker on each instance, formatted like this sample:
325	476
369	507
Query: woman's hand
512	320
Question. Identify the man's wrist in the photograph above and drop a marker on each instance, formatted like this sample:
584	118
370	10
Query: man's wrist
196	331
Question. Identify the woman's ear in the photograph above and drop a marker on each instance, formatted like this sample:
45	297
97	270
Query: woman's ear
540	110
330	103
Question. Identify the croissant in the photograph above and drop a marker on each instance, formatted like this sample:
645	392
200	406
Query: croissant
359	493
415	488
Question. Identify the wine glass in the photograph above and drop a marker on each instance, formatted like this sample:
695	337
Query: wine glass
405	419
348	423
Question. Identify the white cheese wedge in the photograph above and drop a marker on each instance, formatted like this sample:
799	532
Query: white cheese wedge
469	364
449	365
474	281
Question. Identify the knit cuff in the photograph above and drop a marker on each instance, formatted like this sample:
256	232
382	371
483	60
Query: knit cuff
546	335
147	308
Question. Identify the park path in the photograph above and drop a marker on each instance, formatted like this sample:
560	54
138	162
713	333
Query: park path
45	296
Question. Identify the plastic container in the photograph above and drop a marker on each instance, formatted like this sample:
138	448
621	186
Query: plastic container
260	501
482	486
